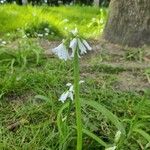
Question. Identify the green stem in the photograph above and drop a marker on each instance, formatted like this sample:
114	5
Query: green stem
69	110
77	101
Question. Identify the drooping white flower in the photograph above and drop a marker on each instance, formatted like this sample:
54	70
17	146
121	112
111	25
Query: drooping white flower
81	44
61	52
82	48
73	45
69	93
111	148
76	44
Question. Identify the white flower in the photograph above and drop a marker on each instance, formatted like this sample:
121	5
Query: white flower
73	46
46	34
82	48
81	44
69	93
61	52
76	44
40	35
47	30
111	148
3	42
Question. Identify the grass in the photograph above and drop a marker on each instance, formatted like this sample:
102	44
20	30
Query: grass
33	20
31	83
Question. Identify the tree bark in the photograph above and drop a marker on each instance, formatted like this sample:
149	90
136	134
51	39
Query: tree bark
128	22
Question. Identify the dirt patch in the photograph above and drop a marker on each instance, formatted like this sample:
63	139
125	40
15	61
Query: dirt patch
127	81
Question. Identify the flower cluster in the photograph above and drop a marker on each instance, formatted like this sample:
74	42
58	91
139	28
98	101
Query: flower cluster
69	93
76	43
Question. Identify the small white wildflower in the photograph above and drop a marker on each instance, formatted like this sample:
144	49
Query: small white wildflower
111	148
46	34
69	93
47	30
4	42
61	52
40	35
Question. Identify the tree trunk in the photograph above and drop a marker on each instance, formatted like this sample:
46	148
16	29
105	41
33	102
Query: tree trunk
96	2
128	22
24	2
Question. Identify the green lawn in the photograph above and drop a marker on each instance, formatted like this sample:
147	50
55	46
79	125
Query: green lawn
31	83
59	20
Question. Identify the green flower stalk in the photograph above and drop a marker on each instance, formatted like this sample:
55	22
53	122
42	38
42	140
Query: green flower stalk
77	101
78	47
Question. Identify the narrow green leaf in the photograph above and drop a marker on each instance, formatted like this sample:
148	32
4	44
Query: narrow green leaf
95	137
143	133
59	118
109	115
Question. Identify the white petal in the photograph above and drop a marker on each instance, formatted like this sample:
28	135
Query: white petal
70	95
73	44
61	52
64	96
81	47
72	54
68	84
86	44
71	89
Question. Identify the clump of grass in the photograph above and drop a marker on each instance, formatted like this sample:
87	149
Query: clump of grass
135	55
43	30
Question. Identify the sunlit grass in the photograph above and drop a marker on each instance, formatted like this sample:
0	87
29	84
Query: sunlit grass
64	18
